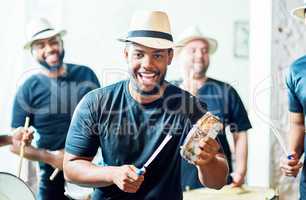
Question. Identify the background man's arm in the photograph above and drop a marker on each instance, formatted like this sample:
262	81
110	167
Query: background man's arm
53	158
5	140
297	133
241	154
292	166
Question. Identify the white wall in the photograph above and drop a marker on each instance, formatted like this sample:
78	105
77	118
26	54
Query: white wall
93	31
260	93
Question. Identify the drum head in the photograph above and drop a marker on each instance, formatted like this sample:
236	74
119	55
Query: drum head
13	188
77	192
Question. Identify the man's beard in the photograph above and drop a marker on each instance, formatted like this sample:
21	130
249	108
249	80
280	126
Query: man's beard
199	71
56	67
138	89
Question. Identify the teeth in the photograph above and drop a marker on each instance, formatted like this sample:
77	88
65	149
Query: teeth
148	75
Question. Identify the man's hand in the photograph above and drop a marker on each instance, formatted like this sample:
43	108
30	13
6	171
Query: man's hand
238	179
126	179
291	167
22	134
207	151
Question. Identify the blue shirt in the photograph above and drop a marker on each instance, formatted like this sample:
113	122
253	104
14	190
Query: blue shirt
224	102
129	132
296	84
50	102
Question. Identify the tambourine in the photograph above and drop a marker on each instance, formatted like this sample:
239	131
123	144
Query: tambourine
207	125
13	188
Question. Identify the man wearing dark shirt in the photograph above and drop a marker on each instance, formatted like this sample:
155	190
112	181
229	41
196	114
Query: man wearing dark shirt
49	99
130	119
296	84
221	98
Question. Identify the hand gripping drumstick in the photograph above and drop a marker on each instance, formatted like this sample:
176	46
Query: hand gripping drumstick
21	154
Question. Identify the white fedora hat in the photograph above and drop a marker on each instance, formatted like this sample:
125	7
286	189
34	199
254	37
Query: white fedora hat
194	33
299	12
151	29
40	29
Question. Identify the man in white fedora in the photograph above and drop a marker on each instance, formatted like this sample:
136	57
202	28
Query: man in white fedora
193	59
131	118
296	87
299	12
49	98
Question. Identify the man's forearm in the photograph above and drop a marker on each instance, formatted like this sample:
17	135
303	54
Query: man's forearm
94	176
32	153
297	133
297	142
214	174
241	152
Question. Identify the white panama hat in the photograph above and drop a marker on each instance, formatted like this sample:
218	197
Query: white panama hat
299	12
40	29
151	29
194	33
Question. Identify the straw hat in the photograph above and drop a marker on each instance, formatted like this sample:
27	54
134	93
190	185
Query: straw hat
40	29
194	33
151	29
299	12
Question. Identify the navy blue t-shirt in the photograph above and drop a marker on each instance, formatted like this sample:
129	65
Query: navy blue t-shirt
296	84
223	101
129	132
50	102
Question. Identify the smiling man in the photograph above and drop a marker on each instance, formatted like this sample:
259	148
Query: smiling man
131	118
49	98
193	58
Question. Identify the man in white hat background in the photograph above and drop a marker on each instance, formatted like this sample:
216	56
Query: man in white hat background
193	59
49	99
296	86
131	118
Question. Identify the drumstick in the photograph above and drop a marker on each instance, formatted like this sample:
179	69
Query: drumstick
21	154
53	175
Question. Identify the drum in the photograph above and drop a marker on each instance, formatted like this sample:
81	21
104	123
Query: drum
13	188
77	192
230	193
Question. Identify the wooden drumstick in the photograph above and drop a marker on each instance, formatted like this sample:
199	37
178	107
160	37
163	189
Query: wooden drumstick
21	154
53	175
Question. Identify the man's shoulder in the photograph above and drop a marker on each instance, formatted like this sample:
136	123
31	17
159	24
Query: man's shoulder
76	68
118	86
180	100
34	79
298	63
218	82
174	90
109	90
218	85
